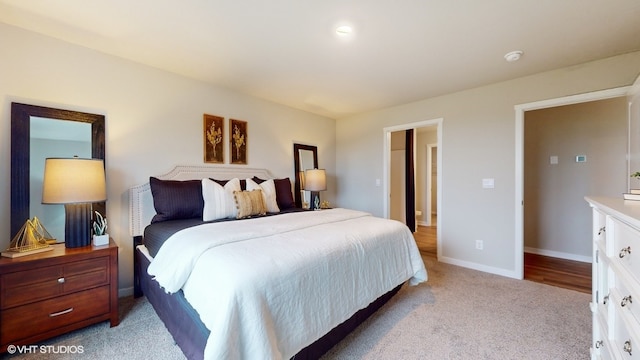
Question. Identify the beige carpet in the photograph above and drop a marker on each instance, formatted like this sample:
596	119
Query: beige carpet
458	314
466	314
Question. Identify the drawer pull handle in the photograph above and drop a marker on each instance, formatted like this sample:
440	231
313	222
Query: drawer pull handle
599	344
626	300
605	300
625	251
627	347
601	230
61	280
61	312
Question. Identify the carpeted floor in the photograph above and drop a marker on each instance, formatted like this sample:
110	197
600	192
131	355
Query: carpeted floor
458	314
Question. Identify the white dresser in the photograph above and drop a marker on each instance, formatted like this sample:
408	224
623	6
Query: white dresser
616	278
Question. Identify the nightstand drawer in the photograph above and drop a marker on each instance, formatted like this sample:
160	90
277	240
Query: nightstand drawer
42	283
82	275
28	320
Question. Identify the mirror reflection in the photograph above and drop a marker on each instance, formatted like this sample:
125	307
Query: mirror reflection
53	138
305	158
306	163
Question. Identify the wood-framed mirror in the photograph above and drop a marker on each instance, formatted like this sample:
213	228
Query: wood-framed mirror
304	157
38	132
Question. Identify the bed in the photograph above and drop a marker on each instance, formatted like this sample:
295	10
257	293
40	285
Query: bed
278	284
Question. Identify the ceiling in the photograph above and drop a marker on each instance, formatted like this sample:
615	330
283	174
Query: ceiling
287	51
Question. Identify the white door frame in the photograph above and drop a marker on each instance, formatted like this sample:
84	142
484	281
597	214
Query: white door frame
519	151
387	164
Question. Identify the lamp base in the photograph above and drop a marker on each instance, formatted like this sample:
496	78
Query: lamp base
315	200
77	229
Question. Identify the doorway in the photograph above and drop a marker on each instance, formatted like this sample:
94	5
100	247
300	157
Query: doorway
519	152
421	174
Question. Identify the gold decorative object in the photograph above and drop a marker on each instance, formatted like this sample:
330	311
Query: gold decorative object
40	229
32	238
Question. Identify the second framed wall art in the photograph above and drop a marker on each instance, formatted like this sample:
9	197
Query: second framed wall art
238	141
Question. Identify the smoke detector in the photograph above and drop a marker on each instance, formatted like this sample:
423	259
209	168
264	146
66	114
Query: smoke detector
513	56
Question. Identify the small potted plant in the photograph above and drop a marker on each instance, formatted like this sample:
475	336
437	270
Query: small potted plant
100	236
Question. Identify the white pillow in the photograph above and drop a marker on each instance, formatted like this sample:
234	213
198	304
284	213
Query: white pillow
218	200
268	188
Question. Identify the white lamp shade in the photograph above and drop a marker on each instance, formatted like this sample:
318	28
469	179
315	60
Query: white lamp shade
315	180
75	180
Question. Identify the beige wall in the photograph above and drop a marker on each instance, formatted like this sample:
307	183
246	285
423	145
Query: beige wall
556	218
153	120
478	141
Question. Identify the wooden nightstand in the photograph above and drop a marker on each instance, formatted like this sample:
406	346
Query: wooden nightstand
54	292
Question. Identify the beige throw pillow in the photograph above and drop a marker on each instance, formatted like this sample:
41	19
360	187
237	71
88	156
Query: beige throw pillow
249	203
268	188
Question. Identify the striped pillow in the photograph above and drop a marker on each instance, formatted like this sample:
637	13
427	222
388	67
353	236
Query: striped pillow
218	199
249	203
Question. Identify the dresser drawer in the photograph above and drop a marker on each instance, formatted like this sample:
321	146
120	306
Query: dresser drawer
624	339
626	247
626	301
28	320
46	282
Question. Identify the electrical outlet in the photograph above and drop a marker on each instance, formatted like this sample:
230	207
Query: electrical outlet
479	244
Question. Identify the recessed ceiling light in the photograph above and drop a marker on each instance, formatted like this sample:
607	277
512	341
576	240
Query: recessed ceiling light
513	56
344	30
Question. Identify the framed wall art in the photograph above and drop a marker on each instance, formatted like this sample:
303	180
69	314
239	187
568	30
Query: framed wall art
238	141
213	131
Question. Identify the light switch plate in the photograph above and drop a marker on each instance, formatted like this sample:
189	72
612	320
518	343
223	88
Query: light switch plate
488	183
553	160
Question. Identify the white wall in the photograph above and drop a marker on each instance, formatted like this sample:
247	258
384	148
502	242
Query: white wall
153	120
478	141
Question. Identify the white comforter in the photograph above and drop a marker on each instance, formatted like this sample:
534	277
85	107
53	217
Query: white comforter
268	287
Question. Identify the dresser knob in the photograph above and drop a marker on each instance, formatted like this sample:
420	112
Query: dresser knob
605	300
601	230
625	251
627	347
599	344
61	280
625	300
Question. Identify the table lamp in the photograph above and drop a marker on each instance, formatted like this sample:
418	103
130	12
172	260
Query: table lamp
76	183
315	180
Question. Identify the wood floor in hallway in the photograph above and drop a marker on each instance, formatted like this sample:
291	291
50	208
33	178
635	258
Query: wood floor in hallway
426	239
562	273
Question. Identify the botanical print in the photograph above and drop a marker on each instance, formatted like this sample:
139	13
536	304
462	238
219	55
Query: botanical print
213	139
238	141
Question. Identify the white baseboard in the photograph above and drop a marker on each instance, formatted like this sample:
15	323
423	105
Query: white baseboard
480	267
558	254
